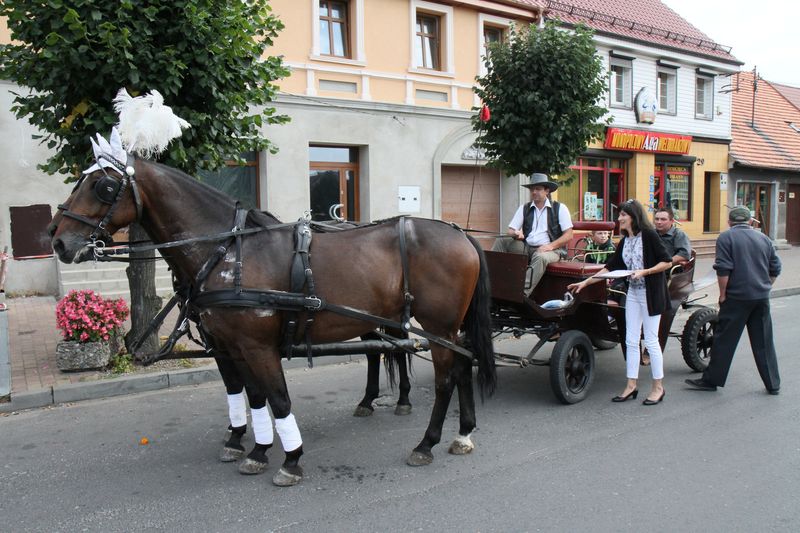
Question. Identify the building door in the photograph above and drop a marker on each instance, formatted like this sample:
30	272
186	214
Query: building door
471	199
758	198
333	182
793	214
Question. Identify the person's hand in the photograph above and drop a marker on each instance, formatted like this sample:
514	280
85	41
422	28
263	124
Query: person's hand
576	287
638	274
721	298
518	235
546	247
3	256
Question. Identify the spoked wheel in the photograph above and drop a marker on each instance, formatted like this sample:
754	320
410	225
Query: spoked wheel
572	367
698	337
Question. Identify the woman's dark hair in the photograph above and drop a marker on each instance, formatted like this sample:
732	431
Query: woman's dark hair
639	218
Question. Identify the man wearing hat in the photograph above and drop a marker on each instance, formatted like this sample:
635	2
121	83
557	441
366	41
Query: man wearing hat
746	266
539	228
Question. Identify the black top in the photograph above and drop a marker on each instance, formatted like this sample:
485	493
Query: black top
653	253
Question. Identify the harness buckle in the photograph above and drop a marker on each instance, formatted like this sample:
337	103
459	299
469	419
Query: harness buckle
98	247
313	303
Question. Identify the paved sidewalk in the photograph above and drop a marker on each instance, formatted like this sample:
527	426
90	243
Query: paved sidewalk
36	381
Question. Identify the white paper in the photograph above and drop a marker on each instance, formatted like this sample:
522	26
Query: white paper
614	274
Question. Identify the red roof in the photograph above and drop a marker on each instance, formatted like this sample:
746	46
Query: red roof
790	93
765	140
649	21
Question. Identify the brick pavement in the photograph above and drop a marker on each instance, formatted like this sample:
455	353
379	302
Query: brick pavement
33	334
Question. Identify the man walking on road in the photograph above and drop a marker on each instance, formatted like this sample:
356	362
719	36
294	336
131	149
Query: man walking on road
746	266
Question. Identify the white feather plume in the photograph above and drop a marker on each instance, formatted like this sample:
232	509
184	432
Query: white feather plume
146	125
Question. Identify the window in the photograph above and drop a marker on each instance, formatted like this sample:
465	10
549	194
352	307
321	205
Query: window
333	29
333	181
704	97
674	190
667	91
29	238
593	188
238	181
621	82
492	34
428	41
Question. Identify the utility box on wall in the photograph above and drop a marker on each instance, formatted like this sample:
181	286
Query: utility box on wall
408	199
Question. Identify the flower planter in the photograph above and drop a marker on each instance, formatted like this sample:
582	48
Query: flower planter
74	356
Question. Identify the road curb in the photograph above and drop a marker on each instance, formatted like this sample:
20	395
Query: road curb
788	291
120	386
107	388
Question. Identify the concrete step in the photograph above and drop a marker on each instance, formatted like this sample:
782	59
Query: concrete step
704	247
107	279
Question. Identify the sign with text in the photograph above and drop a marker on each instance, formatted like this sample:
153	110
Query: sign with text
647	141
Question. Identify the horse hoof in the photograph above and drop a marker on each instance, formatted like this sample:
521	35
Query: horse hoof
229	455
362	411
284	478
461	446
419	459
249	467
402	410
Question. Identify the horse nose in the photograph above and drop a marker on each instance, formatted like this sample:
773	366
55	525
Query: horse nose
58	247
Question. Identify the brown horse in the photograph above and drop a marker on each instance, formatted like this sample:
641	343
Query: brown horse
358	268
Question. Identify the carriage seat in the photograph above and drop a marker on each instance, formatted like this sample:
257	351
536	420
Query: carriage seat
574	269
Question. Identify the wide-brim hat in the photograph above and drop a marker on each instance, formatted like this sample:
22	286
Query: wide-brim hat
541	179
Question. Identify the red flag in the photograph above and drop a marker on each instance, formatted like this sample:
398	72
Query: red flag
485	113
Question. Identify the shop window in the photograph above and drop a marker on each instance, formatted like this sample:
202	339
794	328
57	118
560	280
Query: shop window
238	181
29	238
757	197
667	91
333	182
593	189
621	82
672	188
704	97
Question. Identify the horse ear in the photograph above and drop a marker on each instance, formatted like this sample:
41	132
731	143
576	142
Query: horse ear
105	147
116	145
95	148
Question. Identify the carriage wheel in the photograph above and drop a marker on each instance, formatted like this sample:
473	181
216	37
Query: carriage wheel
698	336
572	367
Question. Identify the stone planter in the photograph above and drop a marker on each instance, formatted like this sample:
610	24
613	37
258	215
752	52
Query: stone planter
74	355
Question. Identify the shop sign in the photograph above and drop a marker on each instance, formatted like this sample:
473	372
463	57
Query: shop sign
647	141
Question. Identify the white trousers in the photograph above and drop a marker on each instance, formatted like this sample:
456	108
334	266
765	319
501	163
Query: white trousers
636	320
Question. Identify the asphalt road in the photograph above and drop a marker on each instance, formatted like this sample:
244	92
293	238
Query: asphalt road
724	461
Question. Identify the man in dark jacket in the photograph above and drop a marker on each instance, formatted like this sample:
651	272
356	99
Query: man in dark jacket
746	266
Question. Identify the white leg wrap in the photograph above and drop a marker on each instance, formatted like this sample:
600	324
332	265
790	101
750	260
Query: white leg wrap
237	410
288	432
262	425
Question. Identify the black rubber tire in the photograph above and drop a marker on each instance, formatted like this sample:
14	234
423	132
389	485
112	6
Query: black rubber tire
572	367
698	337
602	344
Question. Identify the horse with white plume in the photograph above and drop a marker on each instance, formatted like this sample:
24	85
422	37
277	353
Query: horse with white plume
146	125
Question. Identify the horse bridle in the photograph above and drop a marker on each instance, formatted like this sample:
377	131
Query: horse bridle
107	190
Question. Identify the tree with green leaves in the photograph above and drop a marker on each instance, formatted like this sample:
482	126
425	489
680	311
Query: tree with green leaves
544	88
208	59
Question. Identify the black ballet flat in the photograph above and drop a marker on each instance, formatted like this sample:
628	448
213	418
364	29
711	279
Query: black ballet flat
632	394
648	401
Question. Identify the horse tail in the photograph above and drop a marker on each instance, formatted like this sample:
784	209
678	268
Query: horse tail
478	326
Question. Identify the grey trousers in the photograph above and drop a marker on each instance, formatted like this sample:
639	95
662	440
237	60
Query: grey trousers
538	260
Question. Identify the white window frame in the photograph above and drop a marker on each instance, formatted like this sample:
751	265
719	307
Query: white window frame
356	21
672	91
447	48
627	82
708	96
495	22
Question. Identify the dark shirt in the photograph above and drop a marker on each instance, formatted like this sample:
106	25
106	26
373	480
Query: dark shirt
677	243
748	258
598	253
